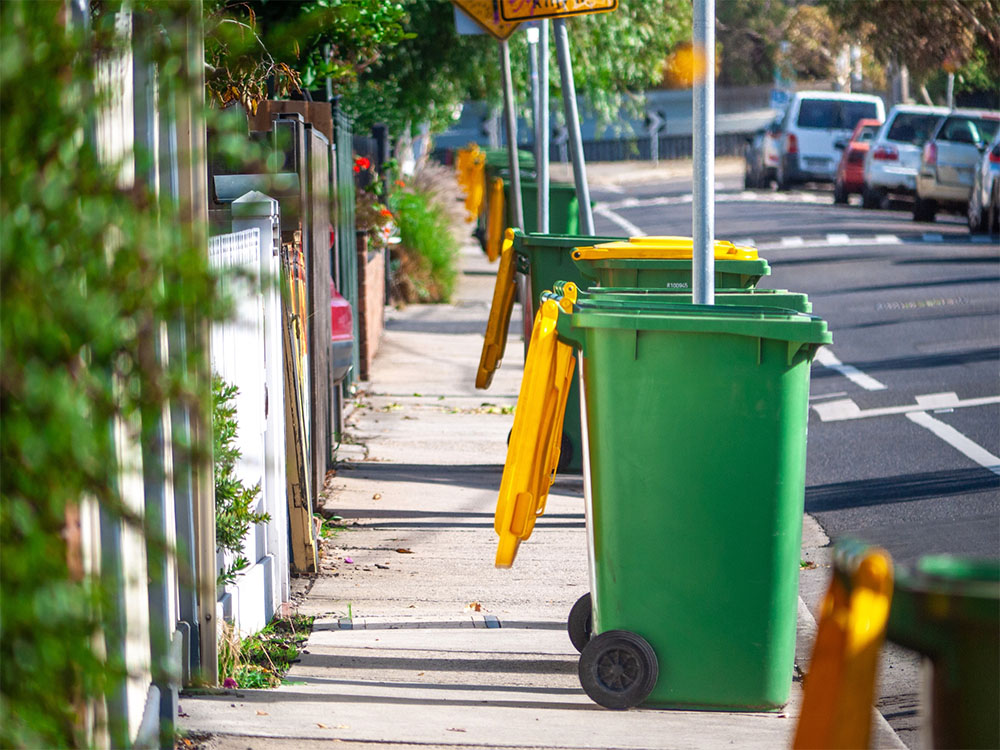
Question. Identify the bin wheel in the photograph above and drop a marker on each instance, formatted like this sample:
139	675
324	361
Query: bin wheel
565	454
618	669
580	623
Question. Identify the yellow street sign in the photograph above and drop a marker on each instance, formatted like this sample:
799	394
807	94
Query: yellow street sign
529	10
486	13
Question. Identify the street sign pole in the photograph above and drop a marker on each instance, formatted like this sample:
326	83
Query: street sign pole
703	218
573	124
542	128
510	120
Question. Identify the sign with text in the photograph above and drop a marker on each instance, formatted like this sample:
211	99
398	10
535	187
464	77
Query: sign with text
530	10
486	13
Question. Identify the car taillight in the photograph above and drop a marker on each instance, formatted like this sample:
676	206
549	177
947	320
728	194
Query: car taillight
792	144
885	153
930	153
995	155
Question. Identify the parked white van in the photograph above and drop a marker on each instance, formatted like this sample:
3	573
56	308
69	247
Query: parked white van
816	127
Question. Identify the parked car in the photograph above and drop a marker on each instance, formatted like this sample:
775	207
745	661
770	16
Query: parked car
948	161
984	201
762	153
851	169
894	154
814	122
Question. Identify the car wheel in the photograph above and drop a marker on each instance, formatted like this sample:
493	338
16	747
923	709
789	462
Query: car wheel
839	193
978	219
994	213
782	179
748	180
870	197
924	209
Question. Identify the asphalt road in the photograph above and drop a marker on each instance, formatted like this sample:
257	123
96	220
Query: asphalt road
904	429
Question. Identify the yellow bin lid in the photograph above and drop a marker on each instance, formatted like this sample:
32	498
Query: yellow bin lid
661	248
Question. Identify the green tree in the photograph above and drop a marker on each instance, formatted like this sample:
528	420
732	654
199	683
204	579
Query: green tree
929	36
749	33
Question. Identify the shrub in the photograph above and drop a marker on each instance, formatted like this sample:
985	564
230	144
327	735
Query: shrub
427	257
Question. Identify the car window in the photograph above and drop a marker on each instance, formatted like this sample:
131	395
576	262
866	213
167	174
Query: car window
867	133
830	114
912	127
967	129
817	113
851	112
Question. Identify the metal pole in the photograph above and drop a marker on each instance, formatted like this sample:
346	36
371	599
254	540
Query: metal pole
542	128
510	120
703	219
573	124
950	94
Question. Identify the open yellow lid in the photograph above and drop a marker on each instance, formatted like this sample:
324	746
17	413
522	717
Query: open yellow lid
661	248
536	436
498	322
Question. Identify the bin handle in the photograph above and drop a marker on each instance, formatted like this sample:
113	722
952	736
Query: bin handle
498	322
840	687
533	453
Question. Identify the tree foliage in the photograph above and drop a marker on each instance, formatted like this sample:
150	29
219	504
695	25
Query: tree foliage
89	268
925	35
749	33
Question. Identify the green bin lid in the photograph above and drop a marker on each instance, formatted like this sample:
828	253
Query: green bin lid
738	320
565	241
775	298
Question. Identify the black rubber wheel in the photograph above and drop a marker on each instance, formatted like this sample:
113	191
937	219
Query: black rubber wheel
924	210
839	193
618	669
565	454
579	623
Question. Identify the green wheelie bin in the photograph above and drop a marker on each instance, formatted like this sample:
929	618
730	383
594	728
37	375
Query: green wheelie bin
948	609
564	208
548	258
694	435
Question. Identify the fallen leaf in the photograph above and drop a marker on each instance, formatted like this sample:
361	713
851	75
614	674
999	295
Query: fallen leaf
263	713
381	567
377	496
404	551
322	726
474	606
420	674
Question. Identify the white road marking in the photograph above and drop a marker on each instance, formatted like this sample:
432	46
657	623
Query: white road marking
957	440
838	239
792	242
818	396
827	358
845	409
745	242
630	229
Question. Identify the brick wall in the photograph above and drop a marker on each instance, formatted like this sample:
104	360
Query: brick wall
371	303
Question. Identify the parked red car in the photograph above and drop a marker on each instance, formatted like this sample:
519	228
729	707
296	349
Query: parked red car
850	177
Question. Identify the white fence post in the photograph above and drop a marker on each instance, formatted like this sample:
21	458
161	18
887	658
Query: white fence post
255	209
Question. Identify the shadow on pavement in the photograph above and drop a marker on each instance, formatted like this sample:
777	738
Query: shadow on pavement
905	488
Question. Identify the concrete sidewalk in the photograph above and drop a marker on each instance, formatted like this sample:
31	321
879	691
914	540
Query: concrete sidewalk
419	641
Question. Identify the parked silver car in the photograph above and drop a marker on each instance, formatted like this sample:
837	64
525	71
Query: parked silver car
894	155
984	201
949	159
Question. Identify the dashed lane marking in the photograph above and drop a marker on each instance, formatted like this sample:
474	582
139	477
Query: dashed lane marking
792	242
827	358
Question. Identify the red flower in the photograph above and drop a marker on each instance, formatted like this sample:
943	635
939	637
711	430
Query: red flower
362	162
400	183
386	212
